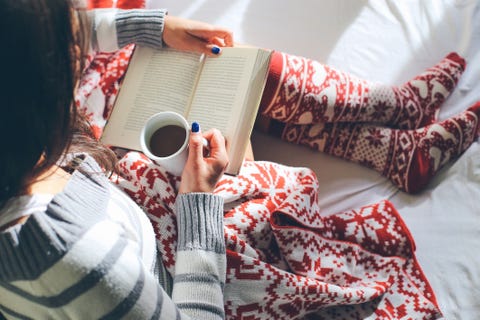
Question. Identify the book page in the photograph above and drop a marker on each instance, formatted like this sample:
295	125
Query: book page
157	80
246	119
227	97
221	90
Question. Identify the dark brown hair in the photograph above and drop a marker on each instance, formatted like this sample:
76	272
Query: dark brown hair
43	44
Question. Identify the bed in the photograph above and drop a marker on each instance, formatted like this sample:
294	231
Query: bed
387	41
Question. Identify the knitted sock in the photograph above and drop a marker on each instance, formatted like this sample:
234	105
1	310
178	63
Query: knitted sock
409	158
122	4
99	4
130	4
303	91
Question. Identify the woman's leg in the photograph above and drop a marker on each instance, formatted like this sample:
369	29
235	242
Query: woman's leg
303	91
409	158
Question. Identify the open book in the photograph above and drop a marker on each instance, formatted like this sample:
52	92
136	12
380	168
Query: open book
221	92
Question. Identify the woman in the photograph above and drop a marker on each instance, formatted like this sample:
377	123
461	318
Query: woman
48	265
71	244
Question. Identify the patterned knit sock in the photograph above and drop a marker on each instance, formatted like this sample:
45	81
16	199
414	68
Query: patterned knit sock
122	4
303	91
99	4
130	4
409	158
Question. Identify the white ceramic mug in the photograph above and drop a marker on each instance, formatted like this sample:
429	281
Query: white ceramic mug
175	162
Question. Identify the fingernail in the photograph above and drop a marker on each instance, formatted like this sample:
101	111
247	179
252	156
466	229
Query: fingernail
195	127
216	50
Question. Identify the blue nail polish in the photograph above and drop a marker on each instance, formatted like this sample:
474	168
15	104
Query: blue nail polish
215	50
195	127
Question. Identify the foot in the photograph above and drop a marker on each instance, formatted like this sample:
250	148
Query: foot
422	96
421	153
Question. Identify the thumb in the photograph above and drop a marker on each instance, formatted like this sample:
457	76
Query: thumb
195	143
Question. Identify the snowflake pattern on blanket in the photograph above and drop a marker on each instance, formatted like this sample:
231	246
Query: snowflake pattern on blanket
284	259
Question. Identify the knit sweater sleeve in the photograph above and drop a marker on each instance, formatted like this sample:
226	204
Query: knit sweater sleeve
200	265
112	29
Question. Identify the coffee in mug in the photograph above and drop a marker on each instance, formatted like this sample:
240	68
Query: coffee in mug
164	139
167	140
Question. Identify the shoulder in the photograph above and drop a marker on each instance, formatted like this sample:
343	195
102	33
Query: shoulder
93	274
72	256
49	234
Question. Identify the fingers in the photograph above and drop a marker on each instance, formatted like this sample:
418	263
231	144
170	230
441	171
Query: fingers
215	35
196	146
190	35
228	39
211	46
218	42
217	144
201	46
201	174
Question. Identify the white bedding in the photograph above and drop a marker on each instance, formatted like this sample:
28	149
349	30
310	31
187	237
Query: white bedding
386	41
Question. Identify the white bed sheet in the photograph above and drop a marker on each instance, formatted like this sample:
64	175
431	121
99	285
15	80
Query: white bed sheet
386	41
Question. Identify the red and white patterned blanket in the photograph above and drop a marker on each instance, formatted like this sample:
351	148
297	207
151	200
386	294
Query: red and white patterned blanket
284	259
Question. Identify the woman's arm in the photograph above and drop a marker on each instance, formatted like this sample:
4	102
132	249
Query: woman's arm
101	275
200	262
114	28
124	288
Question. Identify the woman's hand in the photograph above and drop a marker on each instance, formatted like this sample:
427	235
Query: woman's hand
201	174
190	35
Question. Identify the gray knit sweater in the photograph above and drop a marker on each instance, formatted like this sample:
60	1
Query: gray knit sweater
72	261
